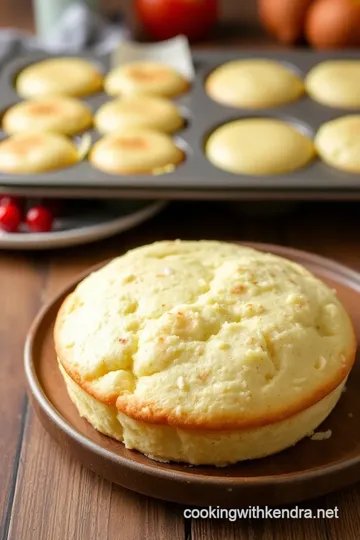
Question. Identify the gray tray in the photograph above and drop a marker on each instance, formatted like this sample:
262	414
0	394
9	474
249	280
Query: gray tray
197	177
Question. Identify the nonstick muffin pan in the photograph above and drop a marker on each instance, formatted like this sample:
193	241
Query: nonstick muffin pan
197	177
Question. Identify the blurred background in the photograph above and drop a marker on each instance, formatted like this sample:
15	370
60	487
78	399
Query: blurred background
323	24
19	12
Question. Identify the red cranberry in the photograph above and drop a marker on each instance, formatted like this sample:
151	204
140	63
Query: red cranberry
39	219
10	218
6	200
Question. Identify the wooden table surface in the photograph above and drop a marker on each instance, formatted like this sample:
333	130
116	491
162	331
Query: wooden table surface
44	493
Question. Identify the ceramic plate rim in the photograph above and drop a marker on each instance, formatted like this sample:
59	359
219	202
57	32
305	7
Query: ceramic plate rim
81	235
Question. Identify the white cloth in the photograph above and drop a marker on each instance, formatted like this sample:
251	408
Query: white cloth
79	29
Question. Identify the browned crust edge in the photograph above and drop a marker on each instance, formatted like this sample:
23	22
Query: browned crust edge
149	413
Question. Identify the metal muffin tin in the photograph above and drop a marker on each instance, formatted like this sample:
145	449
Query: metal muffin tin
197	177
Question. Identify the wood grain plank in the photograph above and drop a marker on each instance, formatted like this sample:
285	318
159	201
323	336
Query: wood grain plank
327	229
148	518
254	529
57	499
347	526
20	289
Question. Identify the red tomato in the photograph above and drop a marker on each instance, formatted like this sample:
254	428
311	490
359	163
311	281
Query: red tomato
164	19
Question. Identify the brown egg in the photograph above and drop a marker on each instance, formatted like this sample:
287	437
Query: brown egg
332	24
285	19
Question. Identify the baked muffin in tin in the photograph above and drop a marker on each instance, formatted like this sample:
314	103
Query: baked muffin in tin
338	143
139	111
36	152
259	146
146	77
335	83
57	114
136	151
254	84
67	76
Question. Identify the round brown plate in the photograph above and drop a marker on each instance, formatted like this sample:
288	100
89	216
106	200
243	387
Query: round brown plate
309	469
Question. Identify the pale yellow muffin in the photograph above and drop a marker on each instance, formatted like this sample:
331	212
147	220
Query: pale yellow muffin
139	111
136	151
335	83
259	146
58	114
338	143
145	77
36	152
67	76
204	352
254	83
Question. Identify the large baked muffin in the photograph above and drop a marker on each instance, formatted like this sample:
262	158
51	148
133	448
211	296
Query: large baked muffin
259	146
204	352
57	114
66	76
335	83
145	77
139	111
36	152
136	151
254	84
338	143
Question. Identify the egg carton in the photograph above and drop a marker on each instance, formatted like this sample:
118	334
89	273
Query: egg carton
196	177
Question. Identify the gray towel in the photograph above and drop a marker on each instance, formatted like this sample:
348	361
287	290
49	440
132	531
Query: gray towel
79	29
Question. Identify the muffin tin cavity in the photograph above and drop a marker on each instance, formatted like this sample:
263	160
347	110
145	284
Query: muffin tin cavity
202	116
254	84
260	146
